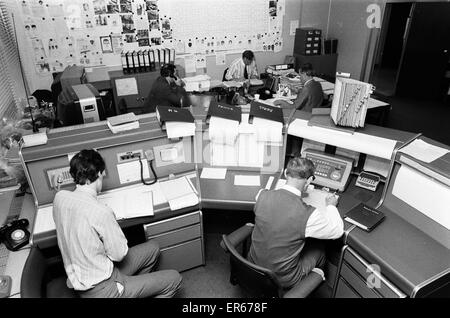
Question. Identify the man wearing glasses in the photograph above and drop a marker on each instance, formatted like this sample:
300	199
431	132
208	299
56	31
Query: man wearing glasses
288	233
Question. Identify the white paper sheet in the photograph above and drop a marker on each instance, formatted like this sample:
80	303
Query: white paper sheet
177	129
245	180
189	64
223	131
213	173
131	171
368	144
424	194
130	203
293	26
44	220
424	151
269	183
126	86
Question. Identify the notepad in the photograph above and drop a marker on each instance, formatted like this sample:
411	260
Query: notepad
244	180
213	173
130	203
179	193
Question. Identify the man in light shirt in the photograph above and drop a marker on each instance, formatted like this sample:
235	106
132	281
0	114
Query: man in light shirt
94	249
287	234
242	68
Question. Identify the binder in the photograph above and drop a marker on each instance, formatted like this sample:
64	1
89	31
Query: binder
224	111
167	56
123	58
265	111
364	217
172	56
157	58
140	61
135	62
151	57
162	56
130	64
168	113
146	60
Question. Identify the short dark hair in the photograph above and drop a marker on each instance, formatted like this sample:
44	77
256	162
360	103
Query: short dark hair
167	70
300	168
86	165
248	55
307	68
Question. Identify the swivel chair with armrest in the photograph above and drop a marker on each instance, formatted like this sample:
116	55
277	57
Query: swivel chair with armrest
257	280
37	282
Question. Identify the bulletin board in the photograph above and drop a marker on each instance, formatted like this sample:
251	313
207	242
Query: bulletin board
58	33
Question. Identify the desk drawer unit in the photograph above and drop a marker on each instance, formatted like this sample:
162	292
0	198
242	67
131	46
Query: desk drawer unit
180	240
355	273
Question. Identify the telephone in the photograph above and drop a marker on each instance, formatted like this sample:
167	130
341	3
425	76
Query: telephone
332	171
15	234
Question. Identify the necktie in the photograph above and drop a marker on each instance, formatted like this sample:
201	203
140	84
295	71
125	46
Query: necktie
245	72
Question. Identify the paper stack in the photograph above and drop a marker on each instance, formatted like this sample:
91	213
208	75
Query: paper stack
223	131
122	122
180	193
198	83
130	203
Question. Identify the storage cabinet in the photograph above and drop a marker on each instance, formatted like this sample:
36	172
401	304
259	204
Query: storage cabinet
131	90
180	240
357	278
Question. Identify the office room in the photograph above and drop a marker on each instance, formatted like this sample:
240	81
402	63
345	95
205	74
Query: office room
224	149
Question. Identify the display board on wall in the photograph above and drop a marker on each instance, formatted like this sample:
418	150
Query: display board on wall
58	33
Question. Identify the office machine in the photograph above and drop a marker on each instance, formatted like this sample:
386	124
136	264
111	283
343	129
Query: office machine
332	171
368	181
72	75
80	104
47	170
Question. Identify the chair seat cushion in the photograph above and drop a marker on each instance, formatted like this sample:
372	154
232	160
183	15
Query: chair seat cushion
57	288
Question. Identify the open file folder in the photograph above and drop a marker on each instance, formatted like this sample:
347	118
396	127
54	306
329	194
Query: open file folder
180	193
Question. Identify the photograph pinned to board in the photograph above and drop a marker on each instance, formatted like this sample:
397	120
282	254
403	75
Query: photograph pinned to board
125	6
140	7
220	58
105	42
113	7
165	29
42	67
273	8
155	41
180	47
127	23
153	24
153	14
200	60
117	43
99	6
114	20
101	20
130	38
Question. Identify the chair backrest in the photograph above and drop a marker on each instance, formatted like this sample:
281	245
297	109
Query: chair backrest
224	73
32	284
257	280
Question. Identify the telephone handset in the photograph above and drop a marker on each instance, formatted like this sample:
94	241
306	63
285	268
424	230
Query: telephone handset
332	171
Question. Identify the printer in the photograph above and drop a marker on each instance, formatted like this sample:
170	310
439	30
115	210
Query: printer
79	104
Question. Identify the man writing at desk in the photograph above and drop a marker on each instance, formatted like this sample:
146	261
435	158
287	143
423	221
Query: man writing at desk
243	68
167	90
95	253
287	232
310	96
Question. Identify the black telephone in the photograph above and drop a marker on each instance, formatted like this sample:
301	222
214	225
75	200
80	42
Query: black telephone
15	234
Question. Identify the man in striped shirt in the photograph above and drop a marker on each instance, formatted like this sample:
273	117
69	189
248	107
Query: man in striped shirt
94	249
243	68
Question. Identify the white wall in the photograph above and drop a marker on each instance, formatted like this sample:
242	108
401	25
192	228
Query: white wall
292	12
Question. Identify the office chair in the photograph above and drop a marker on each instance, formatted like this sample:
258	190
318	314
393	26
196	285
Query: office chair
257	280
37	282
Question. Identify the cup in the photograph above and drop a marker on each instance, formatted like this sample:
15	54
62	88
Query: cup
256	96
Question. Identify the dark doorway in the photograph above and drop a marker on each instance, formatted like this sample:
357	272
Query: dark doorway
389	52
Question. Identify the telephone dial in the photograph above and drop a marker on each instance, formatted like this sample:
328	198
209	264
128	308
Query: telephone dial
15	234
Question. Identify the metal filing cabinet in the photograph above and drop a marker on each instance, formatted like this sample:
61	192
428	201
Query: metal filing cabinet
180	240
353	276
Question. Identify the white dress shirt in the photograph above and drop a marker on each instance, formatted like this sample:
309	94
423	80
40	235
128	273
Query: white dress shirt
322	224
236	70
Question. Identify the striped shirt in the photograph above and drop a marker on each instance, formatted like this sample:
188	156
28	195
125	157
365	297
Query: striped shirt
236	70
89	237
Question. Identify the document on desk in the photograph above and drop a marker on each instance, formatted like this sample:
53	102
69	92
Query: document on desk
245	180
44	220
129	203
131	171
179	193
176	129
424	151
214	173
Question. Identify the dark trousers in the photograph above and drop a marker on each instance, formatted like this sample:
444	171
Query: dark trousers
133	276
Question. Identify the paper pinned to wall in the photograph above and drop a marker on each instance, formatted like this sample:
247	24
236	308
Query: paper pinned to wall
190	64
293	26
200	60
220	59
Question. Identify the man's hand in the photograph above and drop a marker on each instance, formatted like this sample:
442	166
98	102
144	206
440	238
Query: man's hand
331	200
179	82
